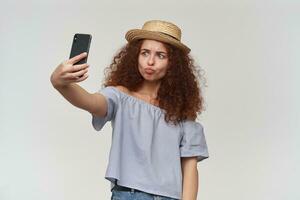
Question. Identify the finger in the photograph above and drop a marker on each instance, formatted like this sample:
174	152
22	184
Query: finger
76	68
85	76
75	75
77	58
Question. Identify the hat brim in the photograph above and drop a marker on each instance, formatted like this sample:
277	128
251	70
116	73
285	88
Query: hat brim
135	34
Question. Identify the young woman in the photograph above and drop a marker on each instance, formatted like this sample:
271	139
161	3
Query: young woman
151	95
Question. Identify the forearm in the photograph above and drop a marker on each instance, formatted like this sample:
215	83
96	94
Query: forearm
77	96
190	182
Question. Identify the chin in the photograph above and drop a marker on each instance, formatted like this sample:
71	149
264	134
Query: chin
152	80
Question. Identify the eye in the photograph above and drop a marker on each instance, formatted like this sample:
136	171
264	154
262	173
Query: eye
144	53
161	56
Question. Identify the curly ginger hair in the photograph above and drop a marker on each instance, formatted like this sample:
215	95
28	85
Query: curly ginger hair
179	94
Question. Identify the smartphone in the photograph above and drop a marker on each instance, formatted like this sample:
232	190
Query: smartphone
81	43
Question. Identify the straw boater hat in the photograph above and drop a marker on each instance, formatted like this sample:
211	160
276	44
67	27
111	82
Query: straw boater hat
159	30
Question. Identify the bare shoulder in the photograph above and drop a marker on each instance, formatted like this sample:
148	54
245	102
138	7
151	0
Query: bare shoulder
122	88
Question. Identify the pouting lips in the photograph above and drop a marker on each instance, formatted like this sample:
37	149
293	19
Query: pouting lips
149	71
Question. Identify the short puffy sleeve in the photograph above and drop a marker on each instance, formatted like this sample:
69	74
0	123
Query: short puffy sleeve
112	99
193	141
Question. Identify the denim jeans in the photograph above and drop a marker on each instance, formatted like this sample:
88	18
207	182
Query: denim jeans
136	195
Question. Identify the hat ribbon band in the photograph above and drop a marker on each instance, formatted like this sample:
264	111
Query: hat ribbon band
169	36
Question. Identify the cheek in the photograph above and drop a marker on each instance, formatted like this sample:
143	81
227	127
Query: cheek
140	64
165	66
163	71
141	60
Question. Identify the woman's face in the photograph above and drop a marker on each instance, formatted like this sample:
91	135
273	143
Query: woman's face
153	60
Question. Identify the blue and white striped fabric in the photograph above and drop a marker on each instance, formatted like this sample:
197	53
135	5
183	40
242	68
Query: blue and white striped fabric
145	151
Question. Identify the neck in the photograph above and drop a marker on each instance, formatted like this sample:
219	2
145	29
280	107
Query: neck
149	89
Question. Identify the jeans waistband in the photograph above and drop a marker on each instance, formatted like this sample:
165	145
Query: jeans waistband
123	188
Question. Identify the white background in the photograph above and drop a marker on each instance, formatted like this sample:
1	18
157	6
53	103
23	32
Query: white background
249	50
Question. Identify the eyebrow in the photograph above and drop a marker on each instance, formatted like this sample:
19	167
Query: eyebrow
157	51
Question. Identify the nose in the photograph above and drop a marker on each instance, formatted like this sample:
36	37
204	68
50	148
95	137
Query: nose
151	60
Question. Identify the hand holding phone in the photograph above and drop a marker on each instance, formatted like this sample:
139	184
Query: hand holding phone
75	68
66	72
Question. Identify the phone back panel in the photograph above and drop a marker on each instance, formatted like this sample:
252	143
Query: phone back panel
81	43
